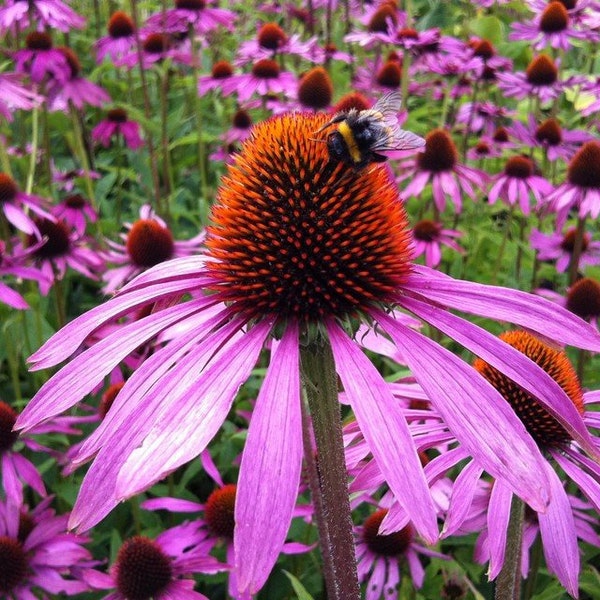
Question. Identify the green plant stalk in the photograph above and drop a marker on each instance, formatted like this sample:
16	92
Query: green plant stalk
35	121
465	141
163	85
59	300
12	356
502	248
335	534
577	250
508	583
4	158
82	154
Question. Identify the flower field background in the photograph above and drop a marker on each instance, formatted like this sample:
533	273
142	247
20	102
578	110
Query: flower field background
172	205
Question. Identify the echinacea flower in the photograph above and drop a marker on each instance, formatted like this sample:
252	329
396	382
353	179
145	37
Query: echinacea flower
14	204
160	568
148	241
157	47
75	211
379	556
40	60
517	183
581	190
299	246
196	13
429	236
315	90
221	71
438	164
559	247
265	77
39	560
16	96
120	39
117	124
556	523
50	13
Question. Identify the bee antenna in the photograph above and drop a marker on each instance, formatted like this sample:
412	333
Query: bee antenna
317	139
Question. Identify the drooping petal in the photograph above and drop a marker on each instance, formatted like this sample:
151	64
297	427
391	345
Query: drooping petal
463	492
512	363
505	304
475	412
498	518
270	469
385	431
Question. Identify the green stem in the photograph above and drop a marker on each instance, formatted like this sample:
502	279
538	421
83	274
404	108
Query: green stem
502	248
4	158
535	564
163	84
59	298
577	250
82	155
320	384
34	149
508	584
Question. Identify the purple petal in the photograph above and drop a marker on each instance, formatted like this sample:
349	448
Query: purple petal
270	469
385	430
463	492
498	518
488	429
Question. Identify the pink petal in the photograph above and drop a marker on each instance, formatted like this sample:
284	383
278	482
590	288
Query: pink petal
385	431
270	469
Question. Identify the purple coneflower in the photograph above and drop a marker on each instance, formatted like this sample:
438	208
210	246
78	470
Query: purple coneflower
40	60
39	557
581	190
482	117
299	248
120	39
559	247
51	13
66	180
429	237
517	183
556	523
439	165
16	96
540	79
551	27
265	77
550	136
221	71
156	47
315	89
14	265
161	569
379	556
241	126
147	242
197	13
75	211
15	203
384	78
62	248
381	21
117	124
74	90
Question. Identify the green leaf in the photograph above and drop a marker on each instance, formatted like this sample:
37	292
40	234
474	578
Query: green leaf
300	590
489	28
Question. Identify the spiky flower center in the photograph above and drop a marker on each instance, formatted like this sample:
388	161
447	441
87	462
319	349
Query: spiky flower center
542	426
265	69
296	234
584	168
219	511
482	148
120	25
117	115
484	49
440	152
13	564
38	40
352	100
549	132
75	201
143	569
568	242
149	243
500	135
583	298
222	70
242	120
108	398
316	89
8	188
58	242
379	21
555	18
271	36
393	544
156	43
426	230
190	4
541	71
390	75
519	167
408	33
8	417
26	526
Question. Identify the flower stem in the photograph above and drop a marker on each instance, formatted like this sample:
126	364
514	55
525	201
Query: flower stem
335	522
508	584
34	149
577	249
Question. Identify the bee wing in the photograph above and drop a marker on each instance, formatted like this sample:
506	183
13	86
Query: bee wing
388	107
399	139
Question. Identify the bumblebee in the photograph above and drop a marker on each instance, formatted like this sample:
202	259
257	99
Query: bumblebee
362	135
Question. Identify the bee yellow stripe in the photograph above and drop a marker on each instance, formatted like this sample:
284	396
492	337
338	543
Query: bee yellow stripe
348	136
